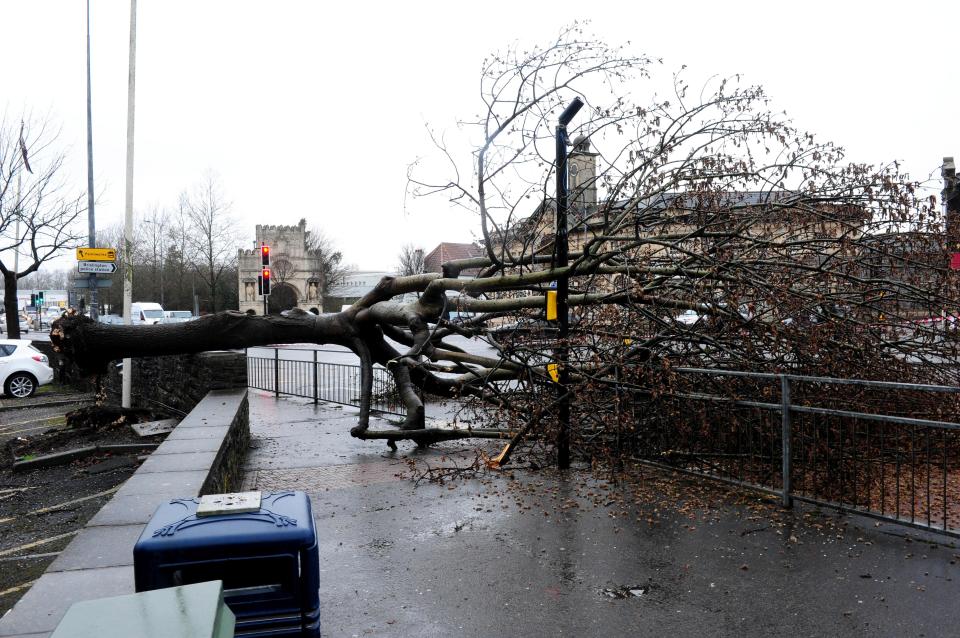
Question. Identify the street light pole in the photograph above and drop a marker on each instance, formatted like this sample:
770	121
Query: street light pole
91	219
563	287
128	212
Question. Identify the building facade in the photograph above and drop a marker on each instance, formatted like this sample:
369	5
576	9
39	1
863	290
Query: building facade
350	287
296	271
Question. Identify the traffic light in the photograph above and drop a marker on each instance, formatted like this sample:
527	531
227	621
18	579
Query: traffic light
265	276
551	305
33	299
265	255
40	298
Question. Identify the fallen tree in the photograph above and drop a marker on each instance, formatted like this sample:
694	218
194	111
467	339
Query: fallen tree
706	231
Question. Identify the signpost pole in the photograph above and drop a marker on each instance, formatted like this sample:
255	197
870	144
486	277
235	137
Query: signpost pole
92	226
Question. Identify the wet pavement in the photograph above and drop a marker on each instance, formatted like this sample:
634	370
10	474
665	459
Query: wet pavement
538	554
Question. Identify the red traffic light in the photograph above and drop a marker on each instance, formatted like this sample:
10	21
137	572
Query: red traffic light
265	278
265	255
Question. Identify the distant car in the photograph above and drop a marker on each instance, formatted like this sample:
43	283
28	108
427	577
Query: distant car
111	319
688	317
24	324
177	316
460	317
23	368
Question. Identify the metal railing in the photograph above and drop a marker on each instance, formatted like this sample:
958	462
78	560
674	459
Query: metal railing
897	467
321	381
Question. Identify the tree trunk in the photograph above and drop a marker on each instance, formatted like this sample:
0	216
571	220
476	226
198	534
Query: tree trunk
10	305
92	345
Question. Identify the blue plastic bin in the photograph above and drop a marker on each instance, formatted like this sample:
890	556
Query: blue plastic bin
268	560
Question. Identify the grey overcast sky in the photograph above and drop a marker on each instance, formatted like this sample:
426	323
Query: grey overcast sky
315	109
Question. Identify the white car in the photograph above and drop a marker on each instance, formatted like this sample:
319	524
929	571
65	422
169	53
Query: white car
24	324
23	368
688	317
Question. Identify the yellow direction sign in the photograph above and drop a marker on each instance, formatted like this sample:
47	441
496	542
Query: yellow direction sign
96	254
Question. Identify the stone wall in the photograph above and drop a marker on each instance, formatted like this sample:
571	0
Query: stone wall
226	473
180	381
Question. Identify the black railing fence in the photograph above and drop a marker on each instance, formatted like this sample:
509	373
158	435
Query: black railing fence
320	381
847	444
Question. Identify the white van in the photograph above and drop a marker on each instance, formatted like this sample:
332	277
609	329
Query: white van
145	313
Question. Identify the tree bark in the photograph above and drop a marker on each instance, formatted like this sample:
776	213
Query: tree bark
92	345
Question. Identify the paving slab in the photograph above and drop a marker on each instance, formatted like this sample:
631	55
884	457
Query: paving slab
179	446
134	509
183	462
189	483
192	433
152	428
99	546
43	606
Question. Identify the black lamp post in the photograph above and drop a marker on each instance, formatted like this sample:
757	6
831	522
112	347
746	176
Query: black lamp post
563	286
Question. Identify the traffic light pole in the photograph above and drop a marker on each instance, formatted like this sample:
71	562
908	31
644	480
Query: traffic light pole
265	277
563	288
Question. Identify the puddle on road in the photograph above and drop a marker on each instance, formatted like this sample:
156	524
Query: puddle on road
624	591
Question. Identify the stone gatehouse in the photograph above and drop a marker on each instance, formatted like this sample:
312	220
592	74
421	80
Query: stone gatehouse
296	269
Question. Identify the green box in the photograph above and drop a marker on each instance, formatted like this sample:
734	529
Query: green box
191	611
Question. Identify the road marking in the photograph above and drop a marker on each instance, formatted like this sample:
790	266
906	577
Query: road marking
17	588
17	489
39	427
46	418
44	541
51	508
29	556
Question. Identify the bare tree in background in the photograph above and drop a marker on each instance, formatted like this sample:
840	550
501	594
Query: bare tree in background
38	210
153	227
330	266
46	280
283	269
410	260
180	272
213	240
